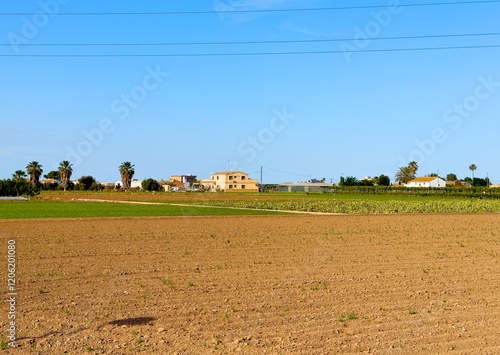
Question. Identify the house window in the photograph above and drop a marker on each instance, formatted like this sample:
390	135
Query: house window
230	178
230	186
242	186
217	177
242	178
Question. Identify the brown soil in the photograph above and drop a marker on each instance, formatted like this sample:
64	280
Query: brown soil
275	284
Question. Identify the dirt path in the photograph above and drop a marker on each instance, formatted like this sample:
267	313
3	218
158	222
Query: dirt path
207	206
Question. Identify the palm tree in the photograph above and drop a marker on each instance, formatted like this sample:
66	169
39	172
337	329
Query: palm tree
34	171
404	175
19	175
472	168
413	168
127	172
65	171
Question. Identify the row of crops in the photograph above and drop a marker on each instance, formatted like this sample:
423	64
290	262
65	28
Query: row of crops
467	192
367	206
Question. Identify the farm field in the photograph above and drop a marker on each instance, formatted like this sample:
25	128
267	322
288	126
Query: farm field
210	196
249	284
59	209
291	202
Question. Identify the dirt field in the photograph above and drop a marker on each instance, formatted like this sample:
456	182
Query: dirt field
273	284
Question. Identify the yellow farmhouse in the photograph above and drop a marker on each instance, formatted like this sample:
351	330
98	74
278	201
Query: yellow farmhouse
231	181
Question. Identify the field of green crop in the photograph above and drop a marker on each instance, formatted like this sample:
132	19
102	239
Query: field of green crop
54	209
369	206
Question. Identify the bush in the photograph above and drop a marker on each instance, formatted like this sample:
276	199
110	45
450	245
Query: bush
49	186
384	180
86	182
96	187
151	185
16	188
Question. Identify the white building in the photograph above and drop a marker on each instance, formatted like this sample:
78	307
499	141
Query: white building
134	184
428	181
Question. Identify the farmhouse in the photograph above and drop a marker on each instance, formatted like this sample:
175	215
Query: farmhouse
230	181
134	184
428	181
304	187
458	183
186	180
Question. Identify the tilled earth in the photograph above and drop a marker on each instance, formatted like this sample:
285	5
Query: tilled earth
250	284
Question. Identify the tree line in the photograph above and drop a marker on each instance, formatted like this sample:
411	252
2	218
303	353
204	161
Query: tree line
27	182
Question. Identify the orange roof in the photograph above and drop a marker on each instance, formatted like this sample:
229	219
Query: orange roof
424	179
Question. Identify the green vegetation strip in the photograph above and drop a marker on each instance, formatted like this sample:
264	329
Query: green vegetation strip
51	209
369	206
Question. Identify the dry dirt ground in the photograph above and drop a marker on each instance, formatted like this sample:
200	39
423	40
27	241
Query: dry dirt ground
250	284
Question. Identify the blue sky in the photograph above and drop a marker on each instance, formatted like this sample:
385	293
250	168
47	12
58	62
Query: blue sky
299	116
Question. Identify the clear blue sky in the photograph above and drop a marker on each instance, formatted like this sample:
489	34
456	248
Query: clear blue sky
358	114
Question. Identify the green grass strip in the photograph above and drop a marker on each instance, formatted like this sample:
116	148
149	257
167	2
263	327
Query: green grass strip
54	209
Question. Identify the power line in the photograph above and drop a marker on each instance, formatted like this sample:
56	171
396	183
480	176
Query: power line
231	10
246	42
252	53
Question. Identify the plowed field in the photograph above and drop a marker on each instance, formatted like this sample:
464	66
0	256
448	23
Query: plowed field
255	284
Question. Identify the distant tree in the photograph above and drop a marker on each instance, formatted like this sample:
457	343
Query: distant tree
384	180
404	175
34	170
54	175
365	182
472	168
127	171
479	182
467	179
19	178
150	185
451	177
96	187
342	181
65	171
19	175
350	181
86	182
413	169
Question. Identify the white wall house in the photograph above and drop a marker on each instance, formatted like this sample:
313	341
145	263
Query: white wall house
133	184
427	181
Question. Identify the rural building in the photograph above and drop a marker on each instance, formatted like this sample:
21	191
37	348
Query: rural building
304	187
458	183
185	179
427	181
134	184
230	181
50	181
172	184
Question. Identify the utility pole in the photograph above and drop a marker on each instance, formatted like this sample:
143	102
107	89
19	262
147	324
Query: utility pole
261	175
